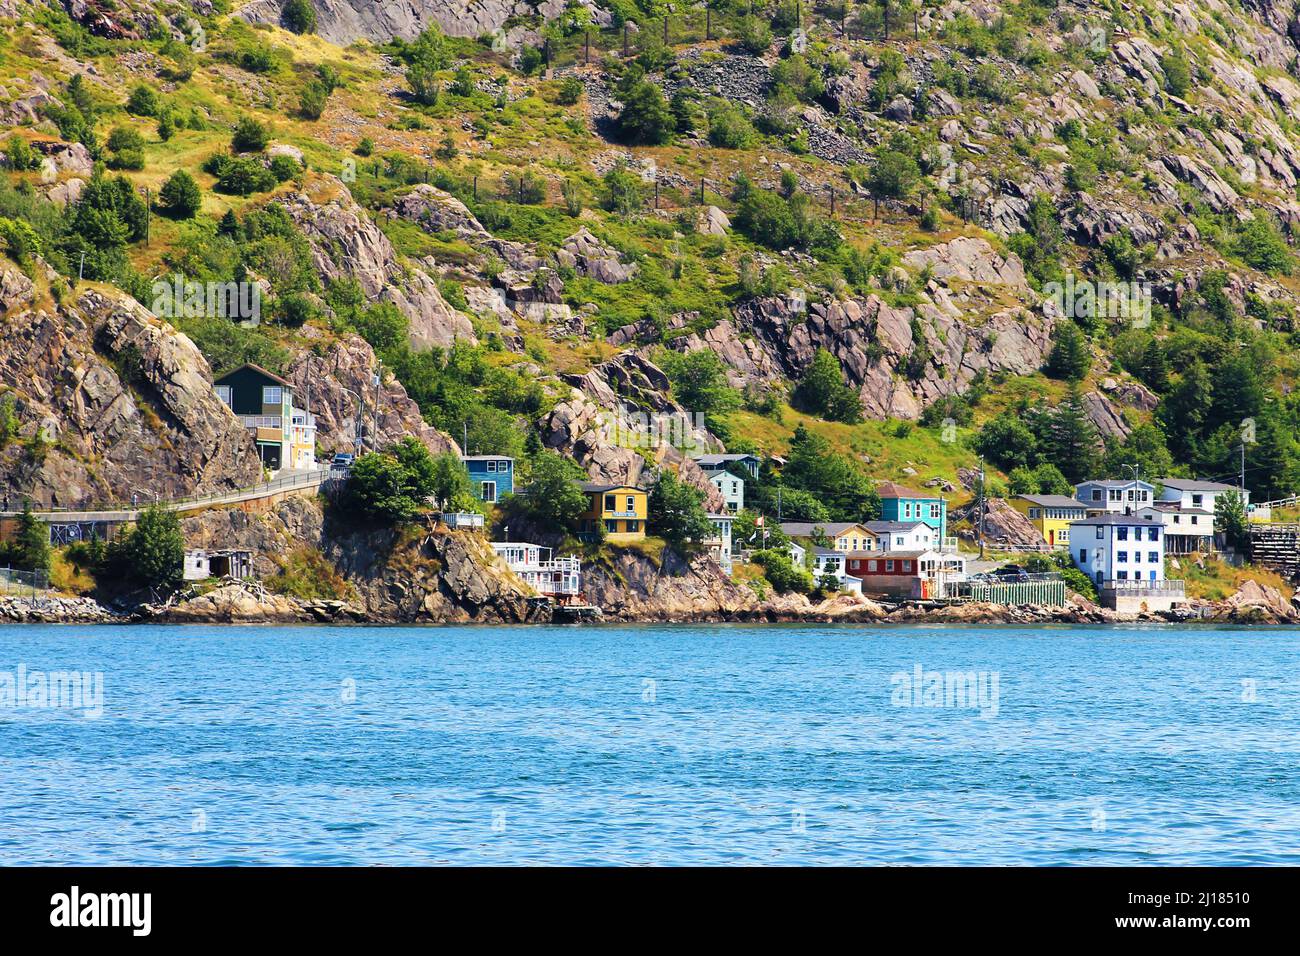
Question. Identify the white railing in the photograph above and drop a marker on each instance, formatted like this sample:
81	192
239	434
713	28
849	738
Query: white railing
262	421
948	544
1157	588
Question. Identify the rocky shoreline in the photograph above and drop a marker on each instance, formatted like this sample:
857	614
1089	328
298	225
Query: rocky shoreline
237	603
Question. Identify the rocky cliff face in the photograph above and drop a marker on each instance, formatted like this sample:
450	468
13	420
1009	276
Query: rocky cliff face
975	317
336	379
110	401
347	243
342	21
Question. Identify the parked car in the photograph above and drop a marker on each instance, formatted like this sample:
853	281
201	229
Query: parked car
343	459
1011	572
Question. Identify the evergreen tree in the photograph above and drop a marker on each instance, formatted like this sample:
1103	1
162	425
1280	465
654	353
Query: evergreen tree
1230	521
33	541
1070	358
153	552
1072	440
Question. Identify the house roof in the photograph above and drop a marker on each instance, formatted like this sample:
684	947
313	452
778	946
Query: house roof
721	457
592	487
486	458
1113	519
1054	501
1114	483
256	368
721	473
891	555
1196	484
828	551
805	529
1172	507
888	527
891	489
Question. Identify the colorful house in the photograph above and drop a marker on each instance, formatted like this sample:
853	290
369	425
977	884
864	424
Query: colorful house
900	503
844	536
491	476
731	487
621	510
285	435
1051	515
916	574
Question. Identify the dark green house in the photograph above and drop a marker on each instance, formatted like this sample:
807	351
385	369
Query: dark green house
285	436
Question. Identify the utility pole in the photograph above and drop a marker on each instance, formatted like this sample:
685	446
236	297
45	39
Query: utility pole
1243	471
379	379
778	504
148	215
982	509
464	438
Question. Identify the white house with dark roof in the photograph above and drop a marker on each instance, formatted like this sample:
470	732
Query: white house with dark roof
903	535
1124	554
1191	493
719	462
1187	530
1114	496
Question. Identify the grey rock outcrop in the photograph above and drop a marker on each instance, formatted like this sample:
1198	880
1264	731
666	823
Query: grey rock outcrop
347	243
112	400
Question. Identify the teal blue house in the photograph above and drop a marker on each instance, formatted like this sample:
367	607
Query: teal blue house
490	476
900	503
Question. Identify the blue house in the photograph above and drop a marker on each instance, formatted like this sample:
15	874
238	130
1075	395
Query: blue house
490	476
900	503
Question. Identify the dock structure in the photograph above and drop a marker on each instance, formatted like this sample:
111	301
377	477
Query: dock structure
1277	547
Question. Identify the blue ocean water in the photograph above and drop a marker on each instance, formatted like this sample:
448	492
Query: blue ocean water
654	745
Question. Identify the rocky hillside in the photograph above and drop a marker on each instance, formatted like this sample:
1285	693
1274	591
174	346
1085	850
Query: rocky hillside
878	242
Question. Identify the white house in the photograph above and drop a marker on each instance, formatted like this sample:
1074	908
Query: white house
1192	493
1115	496
827	562
1187	530
720	544
732	488
1125	556
559	578
718	462
903	535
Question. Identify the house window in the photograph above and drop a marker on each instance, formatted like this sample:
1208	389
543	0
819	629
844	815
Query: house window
907	565
492	466
1121	534
1121	557
900	540
1083	555
631	503
611	502
1096	494
1177	517
1194	521
872	566
1063	535
272	395
1100	532
223	393
488	491
936	511
1153	534
889	566
1122	575
611	527
633	524
1034	512
1153	557
1196	500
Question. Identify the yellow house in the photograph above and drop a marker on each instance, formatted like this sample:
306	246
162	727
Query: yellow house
1051	515
621	510
844	536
